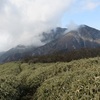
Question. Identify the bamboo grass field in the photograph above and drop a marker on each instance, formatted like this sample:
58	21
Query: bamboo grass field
75	80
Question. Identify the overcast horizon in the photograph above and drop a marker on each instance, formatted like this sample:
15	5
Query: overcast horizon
23	21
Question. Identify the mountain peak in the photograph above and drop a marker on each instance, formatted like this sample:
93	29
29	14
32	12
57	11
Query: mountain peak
59	40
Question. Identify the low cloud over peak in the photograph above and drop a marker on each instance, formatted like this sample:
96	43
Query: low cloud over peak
22	21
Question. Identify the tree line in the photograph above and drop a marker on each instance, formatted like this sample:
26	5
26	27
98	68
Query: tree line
64	56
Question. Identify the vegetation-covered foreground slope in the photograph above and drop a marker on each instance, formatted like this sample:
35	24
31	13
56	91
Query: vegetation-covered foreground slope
76	80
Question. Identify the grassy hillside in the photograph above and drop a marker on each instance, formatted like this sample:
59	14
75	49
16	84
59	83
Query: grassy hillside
76	80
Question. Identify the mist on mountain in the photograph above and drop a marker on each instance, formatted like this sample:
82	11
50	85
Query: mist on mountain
57	40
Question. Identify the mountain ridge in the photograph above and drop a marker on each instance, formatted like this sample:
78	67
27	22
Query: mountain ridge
83	37
74	39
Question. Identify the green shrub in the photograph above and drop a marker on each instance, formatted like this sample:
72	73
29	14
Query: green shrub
76	80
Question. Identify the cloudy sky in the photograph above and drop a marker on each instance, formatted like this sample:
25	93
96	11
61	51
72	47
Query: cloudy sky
23	21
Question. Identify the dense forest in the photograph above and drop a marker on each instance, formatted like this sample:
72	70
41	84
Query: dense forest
64	56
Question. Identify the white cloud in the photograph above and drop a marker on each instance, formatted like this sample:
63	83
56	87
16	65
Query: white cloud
72	26
21	21
80	6
91	4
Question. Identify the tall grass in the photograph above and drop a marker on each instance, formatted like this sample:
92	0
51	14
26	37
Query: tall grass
76	80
